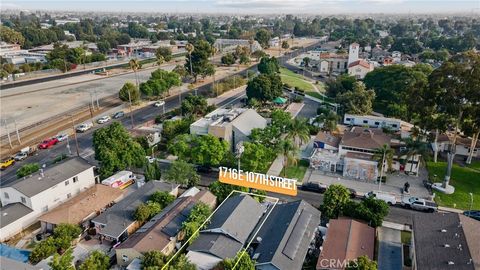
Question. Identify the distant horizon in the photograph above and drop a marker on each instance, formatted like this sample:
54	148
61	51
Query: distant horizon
253	7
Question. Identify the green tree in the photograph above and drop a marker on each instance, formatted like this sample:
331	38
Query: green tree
221	190
340	85
357	101
281	119
258	54
116	150
285	44
334	201
164	52
163	198
43	250
146	211
370	210
152	172
228	59
256	157
329	120
244	59
27	169
306	62
198	59
298	131
268	65
362	263
9	35
173	128
199	213
269	136
96	260
263	36
384	153
64	235
196	105
180	70
129	92
182	173
244	262
153	258
62	262
103	46
290	154
265	87
209	151
415	147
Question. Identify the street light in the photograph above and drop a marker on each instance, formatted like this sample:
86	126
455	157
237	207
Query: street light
381	172
239	150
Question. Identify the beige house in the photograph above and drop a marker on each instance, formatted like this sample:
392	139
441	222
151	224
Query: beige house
162	231
360	68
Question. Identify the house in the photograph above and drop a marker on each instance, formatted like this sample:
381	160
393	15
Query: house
360	68
445	241
346	240
118	222
41	192
229	45
230	125
331	63
284	239
134	47
352	154
227	233
161	232
353	51
462	148
274	42
81	208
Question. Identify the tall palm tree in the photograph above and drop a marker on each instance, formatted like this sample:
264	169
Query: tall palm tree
414	148
189	47
290	154
134	65
298	131
384	154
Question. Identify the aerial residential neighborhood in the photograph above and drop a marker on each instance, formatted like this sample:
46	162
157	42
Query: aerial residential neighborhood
248	135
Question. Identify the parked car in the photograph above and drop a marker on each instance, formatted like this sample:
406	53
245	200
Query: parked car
20	156
62	137
386	197
475	214
159	103
315	187
7	163
84	127
48	143
419	204
204	169
103	119
118	115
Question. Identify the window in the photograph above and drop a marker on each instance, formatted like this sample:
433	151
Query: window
347	119
69	195
377	123
45	208
24	201
67	182
365	121
75	179
6	195
394	125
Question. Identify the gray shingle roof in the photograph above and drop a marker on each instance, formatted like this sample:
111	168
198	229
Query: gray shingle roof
12	212
248	120
117	218
430	250
286	235
230	227
53	175
9	264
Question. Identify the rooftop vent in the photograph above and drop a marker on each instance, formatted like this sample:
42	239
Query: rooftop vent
443	230
259	239
450	263
5	214
256	256
446	245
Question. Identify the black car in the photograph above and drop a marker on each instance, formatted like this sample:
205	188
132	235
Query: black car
118	115
315	187
204	169
475	214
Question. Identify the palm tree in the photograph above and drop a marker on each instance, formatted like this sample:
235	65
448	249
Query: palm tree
298	131
134	65
250	42
189	47
384	154
414	148
329	121
306	61
290	154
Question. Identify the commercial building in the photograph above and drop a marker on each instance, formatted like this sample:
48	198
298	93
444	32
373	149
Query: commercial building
230	125
43	191
345	241
118	221
446	241
162	231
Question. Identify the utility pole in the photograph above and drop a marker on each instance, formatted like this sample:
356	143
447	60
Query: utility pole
75	136
131	111
16	129
96	96
381	172
8	133
68	145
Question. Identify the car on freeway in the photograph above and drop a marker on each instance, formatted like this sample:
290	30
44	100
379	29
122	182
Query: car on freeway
7	163
103	119
159	103
62	137
20	156
315	187
475	214
118	115
84	127
48	143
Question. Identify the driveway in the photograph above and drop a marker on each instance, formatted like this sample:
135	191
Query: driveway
389	249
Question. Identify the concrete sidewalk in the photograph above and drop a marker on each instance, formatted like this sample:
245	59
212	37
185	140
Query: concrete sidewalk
276	167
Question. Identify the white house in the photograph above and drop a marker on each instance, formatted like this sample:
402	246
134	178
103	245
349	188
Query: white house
462	148
353	52
40	192
360	68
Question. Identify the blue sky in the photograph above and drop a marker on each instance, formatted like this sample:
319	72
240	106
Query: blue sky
252	6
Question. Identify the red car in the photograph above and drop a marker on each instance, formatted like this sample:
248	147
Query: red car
48	143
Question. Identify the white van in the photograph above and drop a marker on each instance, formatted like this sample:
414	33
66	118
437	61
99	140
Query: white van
386	197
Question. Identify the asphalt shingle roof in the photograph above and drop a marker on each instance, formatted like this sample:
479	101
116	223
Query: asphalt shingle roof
12	212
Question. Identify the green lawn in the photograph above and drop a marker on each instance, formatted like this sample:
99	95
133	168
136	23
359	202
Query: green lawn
475	165
295	80
465	180
296	172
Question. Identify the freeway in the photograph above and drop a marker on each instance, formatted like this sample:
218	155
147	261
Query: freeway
140	116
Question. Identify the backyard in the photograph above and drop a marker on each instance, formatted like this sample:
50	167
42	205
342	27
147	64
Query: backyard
296	171
465	181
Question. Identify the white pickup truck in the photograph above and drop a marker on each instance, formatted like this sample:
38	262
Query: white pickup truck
419	204
84	127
